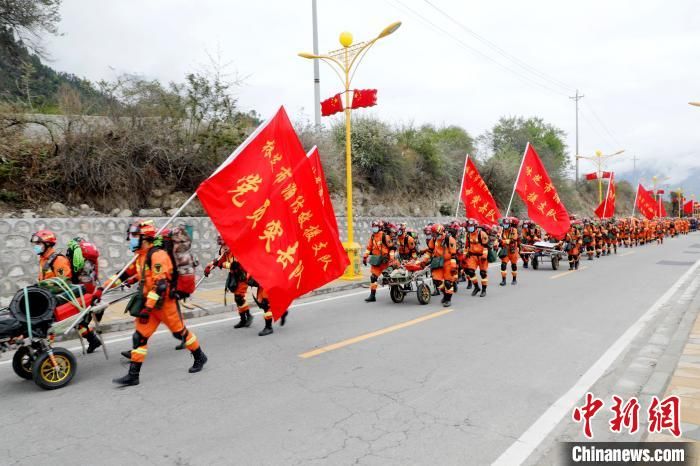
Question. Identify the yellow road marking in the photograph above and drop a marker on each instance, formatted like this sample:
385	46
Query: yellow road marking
366	336
563	274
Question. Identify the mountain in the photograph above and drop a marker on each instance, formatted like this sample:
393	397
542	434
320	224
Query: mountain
27	82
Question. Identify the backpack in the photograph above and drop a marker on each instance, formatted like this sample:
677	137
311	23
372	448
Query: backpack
178	244
88	253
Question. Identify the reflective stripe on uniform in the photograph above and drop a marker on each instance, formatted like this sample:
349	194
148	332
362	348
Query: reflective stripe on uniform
140	350
191	339
153	295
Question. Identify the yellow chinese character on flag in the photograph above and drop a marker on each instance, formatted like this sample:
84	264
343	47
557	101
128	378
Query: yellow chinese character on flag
296	273
304	217
244	185
287	257
285	172
317	247
326	259
259	212
311	232
272	230
289	191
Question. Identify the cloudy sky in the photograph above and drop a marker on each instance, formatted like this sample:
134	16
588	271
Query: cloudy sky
452	62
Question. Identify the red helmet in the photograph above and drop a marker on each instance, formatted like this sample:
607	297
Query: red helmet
514	221
437	229
143	228
471	222
44	236
377	223
428	229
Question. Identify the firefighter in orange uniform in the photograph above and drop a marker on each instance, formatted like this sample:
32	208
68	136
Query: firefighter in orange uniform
378	253
406	240
54	264
510	249
476	249
442	254
236	281
531	234
153	301
574	244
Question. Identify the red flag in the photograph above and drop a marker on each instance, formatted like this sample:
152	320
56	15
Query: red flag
646	203
476	196
364	98
606	209
264	201
688	207
332	106
661	211
594	175
540	196
660	191
320	178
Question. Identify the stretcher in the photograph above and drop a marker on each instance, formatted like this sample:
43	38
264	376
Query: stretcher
409	277
543	251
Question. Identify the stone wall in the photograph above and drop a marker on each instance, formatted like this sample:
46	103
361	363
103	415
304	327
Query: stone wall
19	265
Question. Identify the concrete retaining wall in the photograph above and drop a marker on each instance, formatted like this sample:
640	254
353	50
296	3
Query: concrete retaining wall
19	264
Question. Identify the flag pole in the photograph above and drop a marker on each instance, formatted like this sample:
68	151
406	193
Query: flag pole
607	193
461	186
516	180
634	206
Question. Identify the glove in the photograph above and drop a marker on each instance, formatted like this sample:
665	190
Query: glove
96	296
144	314
364	261
207	269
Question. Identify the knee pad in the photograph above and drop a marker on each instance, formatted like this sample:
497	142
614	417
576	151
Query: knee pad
373	279
483	274
138	340
181	335
240	299
513	267
265	304
470	272
448	285
504	266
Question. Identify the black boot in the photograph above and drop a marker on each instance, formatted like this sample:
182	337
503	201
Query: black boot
514	281
283	319
476	289
246	320
268	328
525	265
447	302
200	359
469	284
126	354
94	342
503	281
571	266
132	377
370	299
483	291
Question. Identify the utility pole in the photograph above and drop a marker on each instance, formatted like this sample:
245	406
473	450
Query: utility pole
634	167
576	98
317	78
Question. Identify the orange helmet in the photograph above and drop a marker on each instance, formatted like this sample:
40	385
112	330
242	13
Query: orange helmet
143	228
438	229
44	236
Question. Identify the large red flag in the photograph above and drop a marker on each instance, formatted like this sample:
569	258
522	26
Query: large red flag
476	196
646	203
535	188
688	207
264	201
320	177
606	209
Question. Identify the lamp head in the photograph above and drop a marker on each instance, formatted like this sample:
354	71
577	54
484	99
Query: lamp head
390	29
345	39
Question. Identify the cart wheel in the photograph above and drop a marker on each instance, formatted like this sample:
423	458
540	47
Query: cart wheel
423	293
22	362
555	262
396	293
535	263
49	377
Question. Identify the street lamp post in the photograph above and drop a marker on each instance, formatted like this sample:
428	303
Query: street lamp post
679	199
347	59
599	159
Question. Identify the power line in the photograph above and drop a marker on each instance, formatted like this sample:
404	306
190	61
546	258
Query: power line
464	45
515	60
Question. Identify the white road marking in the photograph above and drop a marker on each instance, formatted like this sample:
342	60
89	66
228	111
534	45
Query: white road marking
522	448
218	321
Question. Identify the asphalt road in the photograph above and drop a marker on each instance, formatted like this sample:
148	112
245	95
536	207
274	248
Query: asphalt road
456	387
